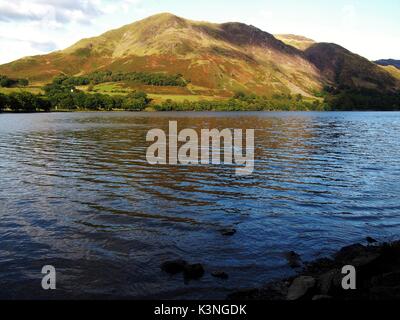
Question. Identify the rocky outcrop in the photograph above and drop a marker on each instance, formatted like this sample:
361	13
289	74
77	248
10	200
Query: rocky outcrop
377	277
300	287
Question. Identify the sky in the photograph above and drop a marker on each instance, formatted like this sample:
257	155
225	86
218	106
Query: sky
370	28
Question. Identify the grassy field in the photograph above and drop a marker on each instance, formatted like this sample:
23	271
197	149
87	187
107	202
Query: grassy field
159	98
121	89
34	90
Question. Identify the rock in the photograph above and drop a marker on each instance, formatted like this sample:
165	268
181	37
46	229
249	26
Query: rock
174	266
378	277
293	259
371	240
349	253
193	271
321	297
320	266
386	279
328	280
220	275
385	286
385	293
365	259
275	291
244	295
325	281
300	287
227	232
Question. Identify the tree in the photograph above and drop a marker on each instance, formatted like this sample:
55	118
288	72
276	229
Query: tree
23	101
23	82
3	102
65	100
7	82
94	101
44	104
135	101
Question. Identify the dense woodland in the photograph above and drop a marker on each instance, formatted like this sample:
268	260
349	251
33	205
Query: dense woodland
348	99
147	78
24	102
62	95
246	102
6	82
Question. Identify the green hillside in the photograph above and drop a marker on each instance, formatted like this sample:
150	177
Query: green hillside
169	56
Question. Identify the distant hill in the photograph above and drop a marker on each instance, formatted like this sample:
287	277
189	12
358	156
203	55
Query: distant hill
389	62
299	42
342	68
216	59
395	72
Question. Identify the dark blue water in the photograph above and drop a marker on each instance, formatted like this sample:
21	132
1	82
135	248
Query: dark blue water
77	193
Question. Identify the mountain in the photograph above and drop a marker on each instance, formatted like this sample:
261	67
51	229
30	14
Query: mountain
342	68
216	59
299	42
389	62
395	72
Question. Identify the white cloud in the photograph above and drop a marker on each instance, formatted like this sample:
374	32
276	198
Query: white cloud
60	11
41	46
33	27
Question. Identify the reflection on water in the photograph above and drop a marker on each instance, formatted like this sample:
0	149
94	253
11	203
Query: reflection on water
76	192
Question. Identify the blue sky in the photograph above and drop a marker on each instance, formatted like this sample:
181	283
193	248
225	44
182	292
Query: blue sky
368	27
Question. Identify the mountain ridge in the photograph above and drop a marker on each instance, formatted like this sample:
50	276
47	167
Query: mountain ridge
389	62
300	42
216	58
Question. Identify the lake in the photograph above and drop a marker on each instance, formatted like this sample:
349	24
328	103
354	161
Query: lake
76	192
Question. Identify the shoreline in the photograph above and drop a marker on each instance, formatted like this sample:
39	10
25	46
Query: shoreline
200	111
377	268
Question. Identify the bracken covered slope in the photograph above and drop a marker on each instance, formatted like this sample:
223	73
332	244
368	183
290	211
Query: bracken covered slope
217	59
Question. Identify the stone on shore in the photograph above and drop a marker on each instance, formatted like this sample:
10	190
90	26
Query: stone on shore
300	287
329	282
349	253
377	277
371	240
293	259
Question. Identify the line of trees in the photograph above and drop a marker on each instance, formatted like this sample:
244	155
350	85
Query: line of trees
361	99
62	95
7	82
147	78
245	102
28	102
24	102
67	97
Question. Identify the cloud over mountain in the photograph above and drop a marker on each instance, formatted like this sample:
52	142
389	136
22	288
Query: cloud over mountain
60	11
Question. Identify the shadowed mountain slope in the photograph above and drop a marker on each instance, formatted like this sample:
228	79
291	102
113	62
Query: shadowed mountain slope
342	68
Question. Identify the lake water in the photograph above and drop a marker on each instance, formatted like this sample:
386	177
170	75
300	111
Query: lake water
77	193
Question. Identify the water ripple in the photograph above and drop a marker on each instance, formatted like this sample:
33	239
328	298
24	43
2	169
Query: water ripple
77	192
